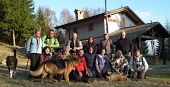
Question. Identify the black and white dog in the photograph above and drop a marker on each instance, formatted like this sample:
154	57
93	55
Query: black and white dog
11	63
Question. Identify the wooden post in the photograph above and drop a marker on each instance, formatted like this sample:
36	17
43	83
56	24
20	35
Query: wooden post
138	42
13	36
163	52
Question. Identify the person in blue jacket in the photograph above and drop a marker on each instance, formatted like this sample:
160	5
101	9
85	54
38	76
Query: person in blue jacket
34	48
102	63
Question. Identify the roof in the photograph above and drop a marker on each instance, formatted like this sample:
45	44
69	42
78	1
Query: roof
126	10
79	21
135	31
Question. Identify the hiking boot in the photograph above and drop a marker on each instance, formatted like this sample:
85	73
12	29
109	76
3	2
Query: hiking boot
29	77
90	80
78	79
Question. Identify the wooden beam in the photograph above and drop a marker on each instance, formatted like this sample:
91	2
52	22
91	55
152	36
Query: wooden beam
149	37
138	42
163	52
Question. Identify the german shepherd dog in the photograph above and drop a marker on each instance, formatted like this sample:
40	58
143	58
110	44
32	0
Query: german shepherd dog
53	66
114	78
11	63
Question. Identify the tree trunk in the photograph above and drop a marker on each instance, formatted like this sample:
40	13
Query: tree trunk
13	33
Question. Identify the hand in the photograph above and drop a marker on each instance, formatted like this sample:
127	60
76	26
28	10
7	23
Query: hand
103	72
117	72
87	73
50	45
73	69
99	71
74	48
122	68
80	74
28	55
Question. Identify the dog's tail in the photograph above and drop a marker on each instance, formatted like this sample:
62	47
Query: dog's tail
37	72
14	53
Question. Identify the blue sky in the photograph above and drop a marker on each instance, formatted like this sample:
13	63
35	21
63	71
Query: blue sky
147	10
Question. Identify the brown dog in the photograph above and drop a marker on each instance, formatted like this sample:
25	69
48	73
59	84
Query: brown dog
114	78
54	66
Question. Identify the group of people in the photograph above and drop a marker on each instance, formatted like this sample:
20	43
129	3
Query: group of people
96	61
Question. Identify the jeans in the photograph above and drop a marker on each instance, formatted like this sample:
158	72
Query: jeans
92	72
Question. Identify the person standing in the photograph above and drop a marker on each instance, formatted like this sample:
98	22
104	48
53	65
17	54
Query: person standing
90	43
51	41
75	44
34	49
106	44
126	46
138	65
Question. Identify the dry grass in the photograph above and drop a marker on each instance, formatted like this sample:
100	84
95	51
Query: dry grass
20	79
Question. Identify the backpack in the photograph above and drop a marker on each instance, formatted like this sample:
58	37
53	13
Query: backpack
139	59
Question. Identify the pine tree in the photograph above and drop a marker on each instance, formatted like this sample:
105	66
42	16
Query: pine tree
41	23
17	20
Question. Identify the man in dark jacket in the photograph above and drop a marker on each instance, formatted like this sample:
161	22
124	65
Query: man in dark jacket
125	45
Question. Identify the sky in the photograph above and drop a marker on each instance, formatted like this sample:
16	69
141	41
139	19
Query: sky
147	10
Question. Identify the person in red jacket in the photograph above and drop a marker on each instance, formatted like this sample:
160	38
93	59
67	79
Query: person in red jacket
82	69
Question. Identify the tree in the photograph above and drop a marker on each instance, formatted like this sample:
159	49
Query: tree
17	20
88	12
66	17
46	19
167	40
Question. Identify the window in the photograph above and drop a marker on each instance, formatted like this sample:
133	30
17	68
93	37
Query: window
75	30
122	22
90	27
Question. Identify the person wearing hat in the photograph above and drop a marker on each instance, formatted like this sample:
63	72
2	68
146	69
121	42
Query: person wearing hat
119	64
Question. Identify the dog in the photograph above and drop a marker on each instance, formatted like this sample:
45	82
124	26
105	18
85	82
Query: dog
53	66
114	78
11	63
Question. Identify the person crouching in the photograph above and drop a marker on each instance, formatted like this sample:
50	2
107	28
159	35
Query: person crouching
119	64
138	65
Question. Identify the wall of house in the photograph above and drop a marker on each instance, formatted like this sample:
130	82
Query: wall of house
114	22
84	33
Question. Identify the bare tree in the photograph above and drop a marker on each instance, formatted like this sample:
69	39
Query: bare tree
88	12
66	17
50	17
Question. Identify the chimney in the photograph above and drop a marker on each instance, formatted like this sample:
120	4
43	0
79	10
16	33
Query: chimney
79	14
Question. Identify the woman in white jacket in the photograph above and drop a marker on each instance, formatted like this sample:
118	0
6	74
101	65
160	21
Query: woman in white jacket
138	65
